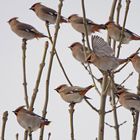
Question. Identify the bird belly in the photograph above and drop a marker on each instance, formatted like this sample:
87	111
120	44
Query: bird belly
70	98
29	122
80	28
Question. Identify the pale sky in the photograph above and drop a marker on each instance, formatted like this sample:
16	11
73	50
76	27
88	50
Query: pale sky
11	88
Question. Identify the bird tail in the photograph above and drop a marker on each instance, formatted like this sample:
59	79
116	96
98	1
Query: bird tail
121	61
39	35
63	20
97	27
84	91
135	37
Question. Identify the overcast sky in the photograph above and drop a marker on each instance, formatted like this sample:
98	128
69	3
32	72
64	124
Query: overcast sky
11	89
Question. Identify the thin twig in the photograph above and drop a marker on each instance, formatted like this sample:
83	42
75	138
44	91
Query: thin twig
126	78
25	135
49	136
71	111
102	107
57	26
24	43
57	56
111	16
4	120
113	103
30	134
42	64
118	10
113	109
96	110
123	28
115	126
17	135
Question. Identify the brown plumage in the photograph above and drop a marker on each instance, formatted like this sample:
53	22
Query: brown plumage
72	94
24	30
46	14
114	31
77	23
29	120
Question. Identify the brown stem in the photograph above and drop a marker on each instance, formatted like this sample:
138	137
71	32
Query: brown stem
71	111
57	26
123	28
136	120
85	23
30	134
25	135
96	110
17	135
111	16
57	56
24	43
102	108
118	10
42	64
4	120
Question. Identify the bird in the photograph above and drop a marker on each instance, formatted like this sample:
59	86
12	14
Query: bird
46	14
135	59
114	32
130	101
78	24
102	55
29	120
72	94
79	51
24	30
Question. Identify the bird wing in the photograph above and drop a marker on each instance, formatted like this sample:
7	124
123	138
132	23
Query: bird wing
74	89
132	96
49	11
100	47
126	30
80	20
27	28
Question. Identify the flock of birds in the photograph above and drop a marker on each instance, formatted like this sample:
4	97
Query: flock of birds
101	55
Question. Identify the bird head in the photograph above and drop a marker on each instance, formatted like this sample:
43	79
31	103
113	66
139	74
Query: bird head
59	88
75	45
12	19
72	17
33	7
109	23
18	109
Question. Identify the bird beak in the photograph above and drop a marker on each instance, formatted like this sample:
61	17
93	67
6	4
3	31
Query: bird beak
31	8
14	112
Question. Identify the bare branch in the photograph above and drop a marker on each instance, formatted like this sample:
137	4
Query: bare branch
4	120
24	43
42	64
57	26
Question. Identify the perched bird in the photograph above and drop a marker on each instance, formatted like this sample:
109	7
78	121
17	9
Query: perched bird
129	100
102	55
72	94
77	23
29	120
135	59
46	14
114	31
79	51
24	30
